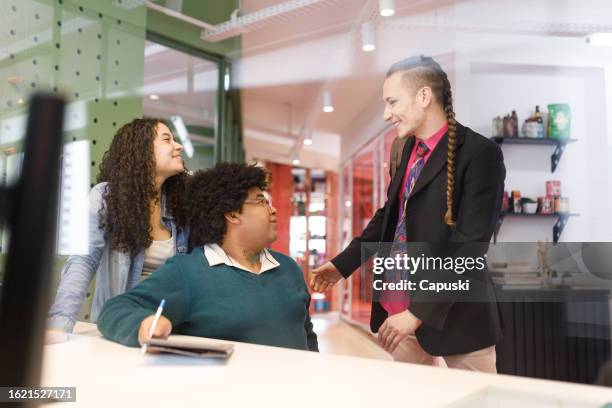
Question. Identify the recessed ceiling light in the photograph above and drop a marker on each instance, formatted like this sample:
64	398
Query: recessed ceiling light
386	7
296	162
327	102
154	97
367	36
308	141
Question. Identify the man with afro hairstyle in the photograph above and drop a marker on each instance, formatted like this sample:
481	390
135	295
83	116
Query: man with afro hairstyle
230	286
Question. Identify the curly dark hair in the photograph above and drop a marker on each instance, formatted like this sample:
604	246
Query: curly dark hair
214	192
128	166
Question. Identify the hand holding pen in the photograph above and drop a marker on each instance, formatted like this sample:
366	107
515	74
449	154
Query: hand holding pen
156	326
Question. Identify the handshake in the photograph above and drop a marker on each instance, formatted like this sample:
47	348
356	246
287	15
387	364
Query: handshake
395	329
324	277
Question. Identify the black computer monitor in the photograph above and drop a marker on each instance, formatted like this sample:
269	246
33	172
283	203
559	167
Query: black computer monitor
30	212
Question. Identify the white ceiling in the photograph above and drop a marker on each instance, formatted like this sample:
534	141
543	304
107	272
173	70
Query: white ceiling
286	64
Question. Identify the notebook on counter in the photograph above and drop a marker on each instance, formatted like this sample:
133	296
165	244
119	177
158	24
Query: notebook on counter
189	346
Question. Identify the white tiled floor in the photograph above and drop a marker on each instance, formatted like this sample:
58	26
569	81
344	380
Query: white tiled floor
339	337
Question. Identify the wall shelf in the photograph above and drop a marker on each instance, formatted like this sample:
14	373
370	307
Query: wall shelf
559	145
560	222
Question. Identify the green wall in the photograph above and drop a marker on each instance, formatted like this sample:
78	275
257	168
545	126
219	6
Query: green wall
91	52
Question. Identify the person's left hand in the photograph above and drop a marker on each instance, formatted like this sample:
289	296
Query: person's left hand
396	328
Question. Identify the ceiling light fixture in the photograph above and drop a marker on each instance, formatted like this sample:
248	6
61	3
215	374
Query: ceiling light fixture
386	7
602	39
308	138
296	162
154	97
367	36
327	102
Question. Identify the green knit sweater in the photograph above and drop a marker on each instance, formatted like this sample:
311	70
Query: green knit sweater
221	302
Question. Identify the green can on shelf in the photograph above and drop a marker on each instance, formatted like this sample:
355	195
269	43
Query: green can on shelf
559	121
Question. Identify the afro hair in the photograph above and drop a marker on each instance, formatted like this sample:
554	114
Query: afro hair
213	193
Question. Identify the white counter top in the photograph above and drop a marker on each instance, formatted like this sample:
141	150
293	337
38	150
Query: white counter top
107	374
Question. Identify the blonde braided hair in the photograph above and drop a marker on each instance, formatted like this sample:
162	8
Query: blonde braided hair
423	71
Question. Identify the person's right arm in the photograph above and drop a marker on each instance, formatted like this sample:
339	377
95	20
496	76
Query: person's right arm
79	271
127	317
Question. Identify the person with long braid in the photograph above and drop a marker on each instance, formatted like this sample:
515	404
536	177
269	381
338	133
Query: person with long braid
428	208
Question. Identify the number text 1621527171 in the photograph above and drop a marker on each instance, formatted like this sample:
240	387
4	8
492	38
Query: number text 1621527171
49	394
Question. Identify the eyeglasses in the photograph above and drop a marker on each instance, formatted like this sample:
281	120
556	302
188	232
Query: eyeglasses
266	201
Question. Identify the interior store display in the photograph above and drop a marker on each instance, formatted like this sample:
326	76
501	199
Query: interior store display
533	127
308	223
561	205
498	126
505	203
510	125
553	188
516	202
528	205
559	121
551	203
545	205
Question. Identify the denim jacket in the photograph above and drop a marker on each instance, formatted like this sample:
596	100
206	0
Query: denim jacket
116	272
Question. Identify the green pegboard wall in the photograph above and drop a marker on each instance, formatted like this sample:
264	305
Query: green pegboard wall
91	52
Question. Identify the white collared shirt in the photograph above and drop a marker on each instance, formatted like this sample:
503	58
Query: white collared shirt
215	255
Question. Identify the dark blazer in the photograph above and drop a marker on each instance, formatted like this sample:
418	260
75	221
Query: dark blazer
468	321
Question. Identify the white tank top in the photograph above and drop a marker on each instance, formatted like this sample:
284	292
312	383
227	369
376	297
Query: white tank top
156	255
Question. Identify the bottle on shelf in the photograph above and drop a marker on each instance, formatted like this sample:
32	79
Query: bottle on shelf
537	115
498	126
517	208
514	124
540	121
533	127
506	130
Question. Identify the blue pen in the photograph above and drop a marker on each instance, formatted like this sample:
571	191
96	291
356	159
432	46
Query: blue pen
152	328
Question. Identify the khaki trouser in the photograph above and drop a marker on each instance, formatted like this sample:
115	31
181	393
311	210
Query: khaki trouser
410	351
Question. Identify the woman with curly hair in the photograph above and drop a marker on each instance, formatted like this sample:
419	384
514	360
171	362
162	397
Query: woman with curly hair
230	286
133	214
